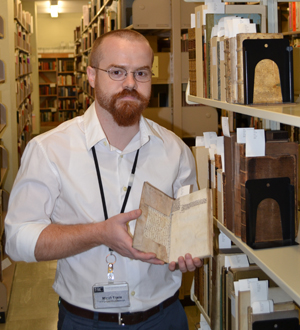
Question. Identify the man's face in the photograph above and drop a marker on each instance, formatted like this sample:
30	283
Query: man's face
125	100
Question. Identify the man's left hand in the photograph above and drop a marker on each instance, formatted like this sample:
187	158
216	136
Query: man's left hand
186	264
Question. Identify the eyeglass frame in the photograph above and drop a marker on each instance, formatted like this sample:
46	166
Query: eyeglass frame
126	73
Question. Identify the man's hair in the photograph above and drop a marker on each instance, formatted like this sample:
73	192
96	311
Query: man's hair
96	53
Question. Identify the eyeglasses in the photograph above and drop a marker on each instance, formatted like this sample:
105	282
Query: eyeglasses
118	74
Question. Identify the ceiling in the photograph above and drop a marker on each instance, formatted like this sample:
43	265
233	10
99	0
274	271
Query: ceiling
64	6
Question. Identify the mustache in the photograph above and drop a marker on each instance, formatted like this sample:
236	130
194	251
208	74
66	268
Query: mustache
127	92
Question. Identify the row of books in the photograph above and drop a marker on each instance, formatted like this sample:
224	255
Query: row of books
92	9
84	101
104	23
58	116
47	64
204	54
22	64
22	39
67	91
224	291
82	64
65	65
232	168
24	138
24	88
67	104
63	80
48	103
24	17
87	88
47	90
24	114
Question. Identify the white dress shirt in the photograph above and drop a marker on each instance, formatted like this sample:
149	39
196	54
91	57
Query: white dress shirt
57	183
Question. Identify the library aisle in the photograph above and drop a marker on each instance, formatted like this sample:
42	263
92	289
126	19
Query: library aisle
33	304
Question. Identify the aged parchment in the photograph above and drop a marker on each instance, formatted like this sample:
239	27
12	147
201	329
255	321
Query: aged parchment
171	228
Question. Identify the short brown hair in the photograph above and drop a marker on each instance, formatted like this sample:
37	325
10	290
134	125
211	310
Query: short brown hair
96	55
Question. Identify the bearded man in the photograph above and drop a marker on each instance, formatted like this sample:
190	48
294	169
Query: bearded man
77	193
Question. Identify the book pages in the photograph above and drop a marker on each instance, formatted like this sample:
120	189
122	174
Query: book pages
170	228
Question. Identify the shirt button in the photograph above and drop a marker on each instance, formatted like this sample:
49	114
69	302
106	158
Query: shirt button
132	293
105	143
121	156
124	188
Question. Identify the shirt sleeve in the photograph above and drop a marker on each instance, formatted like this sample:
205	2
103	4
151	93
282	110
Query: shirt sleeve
31	203
187	171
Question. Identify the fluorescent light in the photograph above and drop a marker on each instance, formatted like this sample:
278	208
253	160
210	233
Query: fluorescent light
53	8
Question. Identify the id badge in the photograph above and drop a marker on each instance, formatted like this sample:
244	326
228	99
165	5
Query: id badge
110	295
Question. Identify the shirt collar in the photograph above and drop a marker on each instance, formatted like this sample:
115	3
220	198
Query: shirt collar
94	132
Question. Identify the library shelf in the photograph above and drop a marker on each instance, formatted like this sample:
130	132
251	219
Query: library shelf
288	113
281	264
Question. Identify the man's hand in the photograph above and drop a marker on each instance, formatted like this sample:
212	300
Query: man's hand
118	239
58	241
187	264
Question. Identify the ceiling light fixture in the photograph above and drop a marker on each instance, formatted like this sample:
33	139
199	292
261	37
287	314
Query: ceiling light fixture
54	8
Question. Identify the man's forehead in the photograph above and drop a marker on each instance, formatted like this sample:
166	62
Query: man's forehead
109	45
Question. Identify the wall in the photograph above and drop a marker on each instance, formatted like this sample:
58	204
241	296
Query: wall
51	32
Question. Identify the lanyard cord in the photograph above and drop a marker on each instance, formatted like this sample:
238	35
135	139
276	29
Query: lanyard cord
101	185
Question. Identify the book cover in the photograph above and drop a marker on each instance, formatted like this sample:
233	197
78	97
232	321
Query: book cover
173	227
240	68
280	161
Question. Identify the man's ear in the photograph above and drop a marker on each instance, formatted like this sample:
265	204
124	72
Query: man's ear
91	73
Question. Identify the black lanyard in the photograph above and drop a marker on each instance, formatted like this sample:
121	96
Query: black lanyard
101	185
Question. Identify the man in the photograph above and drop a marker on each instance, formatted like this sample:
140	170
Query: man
90	169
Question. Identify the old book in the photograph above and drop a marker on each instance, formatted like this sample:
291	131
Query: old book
200	28
237	189
201	155
239	49
227	67
218	166
280	161
214	68
221	69
244	301
229	153
220	198
173	227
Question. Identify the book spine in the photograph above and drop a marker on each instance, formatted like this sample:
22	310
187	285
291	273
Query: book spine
243	179
239	152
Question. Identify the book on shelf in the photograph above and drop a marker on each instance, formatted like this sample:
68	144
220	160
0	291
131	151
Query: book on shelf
265	70
280	161
201	155
173	227
229	192
200	50
192	61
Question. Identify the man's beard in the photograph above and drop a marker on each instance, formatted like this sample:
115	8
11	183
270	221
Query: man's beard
125	113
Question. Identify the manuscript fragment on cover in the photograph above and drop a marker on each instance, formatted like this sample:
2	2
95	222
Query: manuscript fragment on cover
173	227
